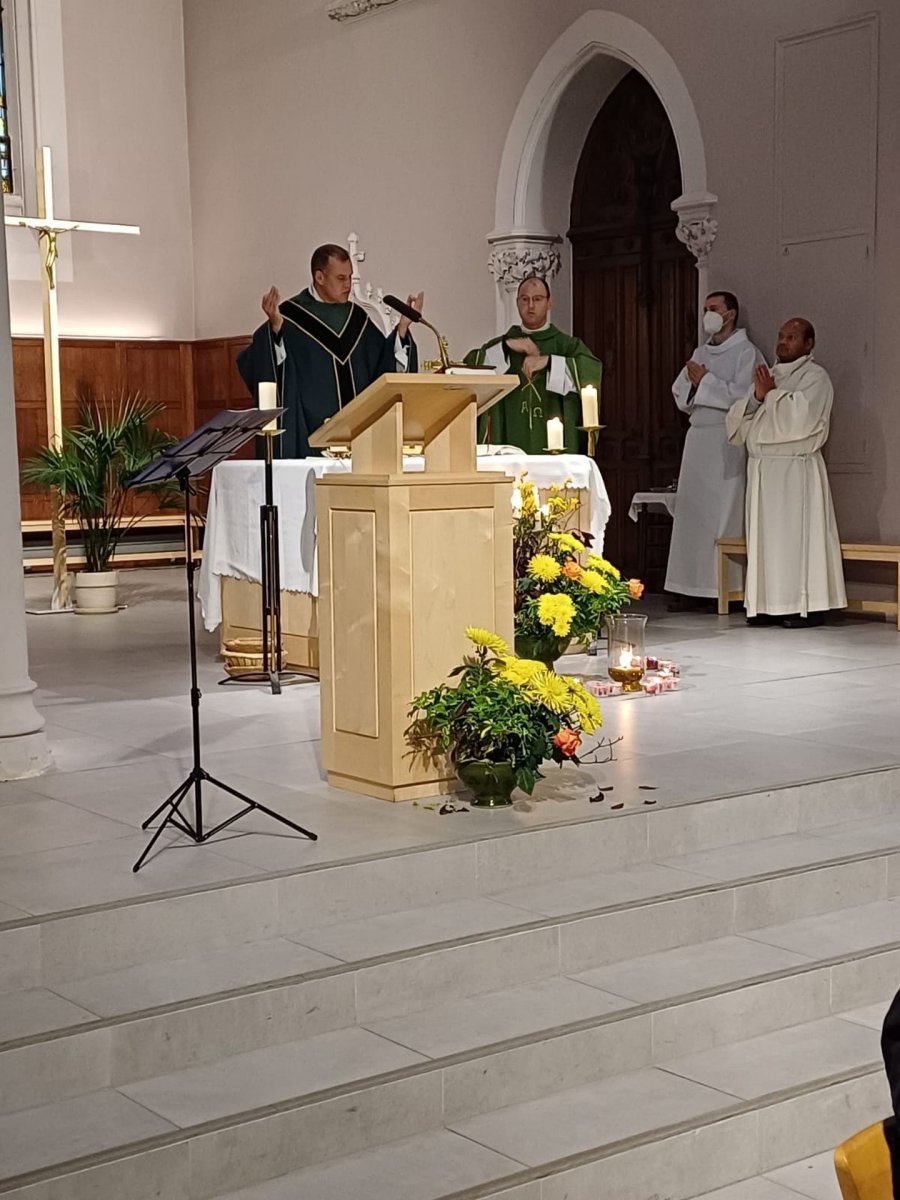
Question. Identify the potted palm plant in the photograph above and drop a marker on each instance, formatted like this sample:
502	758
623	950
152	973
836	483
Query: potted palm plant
112	441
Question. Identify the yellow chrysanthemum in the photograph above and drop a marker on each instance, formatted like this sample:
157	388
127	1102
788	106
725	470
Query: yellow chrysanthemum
585	706
543	567
593	581
520	671
556	611
566	541
559	506
486	640
597	563
551	690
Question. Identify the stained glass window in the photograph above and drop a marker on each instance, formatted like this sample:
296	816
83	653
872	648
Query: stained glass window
6	175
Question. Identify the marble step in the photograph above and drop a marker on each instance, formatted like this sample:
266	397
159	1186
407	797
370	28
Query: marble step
109	963
698	1122
813	1178
149	1020
508	1047
850	816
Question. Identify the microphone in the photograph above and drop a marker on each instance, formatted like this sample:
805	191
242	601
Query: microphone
405	310
413	314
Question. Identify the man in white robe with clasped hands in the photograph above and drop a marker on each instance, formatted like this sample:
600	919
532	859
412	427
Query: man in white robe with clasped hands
710	502
794	567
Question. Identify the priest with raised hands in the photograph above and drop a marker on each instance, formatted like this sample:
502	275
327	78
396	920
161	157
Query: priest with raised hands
552	367
322	349
794	565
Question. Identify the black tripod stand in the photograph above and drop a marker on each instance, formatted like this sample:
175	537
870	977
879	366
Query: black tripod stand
196	455
272	672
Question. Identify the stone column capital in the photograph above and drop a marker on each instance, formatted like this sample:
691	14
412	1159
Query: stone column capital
697	228
520	253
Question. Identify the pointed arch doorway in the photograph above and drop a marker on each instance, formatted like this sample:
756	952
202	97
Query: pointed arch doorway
634	301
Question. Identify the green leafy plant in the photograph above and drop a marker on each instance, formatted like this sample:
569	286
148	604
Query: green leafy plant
502	709
111	443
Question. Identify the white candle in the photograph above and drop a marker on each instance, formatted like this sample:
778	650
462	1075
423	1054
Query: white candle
590	409
555	434
268	398
625	657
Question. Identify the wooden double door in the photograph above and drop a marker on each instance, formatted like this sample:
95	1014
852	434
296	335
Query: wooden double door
635	305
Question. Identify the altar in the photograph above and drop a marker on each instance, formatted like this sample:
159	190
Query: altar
229	588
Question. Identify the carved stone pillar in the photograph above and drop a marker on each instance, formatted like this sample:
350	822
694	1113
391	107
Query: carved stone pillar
515	256
697	229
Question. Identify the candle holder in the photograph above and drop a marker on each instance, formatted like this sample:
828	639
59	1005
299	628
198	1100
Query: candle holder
591	431
625	637
554	450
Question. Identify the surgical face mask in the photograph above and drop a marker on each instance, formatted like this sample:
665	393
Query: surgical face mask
713	323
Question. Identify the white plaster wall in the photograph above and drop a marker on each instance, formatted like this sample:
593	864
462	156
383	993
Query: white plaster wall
301	130
126	122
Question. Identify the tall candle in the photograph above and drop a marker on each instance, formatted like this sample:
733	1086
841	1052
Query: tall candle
555	434
590	408
268	398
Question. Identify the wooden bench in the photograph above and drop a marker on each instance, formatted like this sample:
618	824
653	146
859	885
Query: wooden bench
733	549
126	556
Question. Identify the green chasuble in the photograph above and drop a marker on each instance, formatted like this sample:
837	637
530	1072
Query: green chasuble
328	354
520	419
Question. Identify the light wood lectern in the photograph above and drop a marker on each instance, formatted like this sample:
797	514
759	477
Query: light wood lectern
406	562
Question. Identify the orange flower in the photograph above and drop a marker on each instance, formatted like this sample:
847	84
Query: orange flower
635	589
568	741
571	569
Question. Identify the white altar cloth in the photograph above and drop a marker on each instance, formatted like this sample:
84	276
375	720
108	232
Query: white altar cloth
231	542
657	501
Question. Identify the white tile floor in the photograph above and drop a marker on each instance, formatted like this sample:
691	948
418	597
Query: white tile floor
758	708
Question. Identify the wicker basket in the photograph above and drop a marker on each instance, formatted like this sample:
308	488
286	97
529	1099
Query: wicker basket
243	655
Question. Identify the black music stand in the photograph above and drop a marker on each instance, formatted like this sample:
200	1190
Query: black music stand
198	453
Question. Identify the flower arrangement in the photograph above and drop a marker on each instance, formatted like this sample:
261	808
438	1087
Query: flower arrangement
503	710
563	590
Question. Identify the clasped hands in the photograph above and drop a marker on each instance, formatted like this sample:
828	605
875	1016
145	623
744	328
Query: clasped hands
763	382
696	372
534	360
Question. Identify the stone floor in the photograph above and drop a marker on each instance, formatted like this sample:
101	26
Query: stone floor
670	989
757	709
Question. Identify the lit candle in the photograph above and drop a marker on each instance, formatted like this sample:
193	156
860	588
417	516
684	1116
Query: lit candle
555	434
268	398
625	658
590	408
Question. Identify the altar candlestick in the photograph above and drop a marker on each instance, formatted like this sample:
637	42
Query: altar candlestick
268	398
590	408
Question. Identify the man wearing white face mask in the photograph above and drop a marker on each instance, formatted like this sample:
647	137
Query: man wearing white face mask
711	481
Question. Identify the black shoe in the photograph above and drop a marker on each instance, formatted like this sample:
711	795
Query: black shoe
762	619
807	622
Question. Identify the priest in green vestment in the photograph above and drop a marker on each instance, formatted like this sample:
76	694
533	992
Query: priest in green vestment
552	368
322	349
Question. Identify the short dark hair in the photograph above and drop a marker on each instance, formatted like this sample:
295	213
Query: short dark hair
323	255
534	279
809	330
731	302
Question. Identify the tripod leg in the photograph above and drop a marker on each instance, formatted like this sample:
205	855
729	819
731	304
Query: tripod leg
254	804
173	802
169	801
